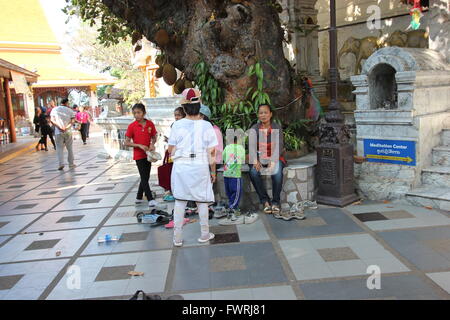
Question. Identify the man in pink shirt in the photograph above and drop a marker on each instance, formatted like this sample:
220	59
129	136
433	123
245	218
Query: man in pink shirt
82	117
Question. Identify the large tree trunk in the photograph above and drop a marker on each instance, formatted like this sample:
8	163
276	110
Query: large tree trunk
226	33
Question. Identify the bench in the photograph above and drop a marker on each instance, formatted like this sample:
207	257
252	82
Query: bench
298	184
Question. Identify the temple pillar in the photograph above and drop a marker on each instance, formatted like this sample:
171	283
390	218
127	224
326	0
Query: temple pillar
93	100
10	111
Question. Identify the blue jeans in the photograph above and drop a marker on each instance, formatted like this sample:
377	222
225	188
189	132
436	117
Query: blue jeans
277	184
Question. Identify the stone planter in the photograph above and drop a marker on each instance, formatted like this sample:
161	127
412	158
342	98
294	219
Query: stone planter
298	184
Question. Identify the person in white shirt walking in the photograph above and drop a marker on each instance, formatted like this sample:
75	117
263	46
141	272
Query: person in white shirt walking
62	118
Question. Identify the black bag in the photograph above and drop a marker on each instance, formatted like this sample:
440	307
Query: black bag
154	297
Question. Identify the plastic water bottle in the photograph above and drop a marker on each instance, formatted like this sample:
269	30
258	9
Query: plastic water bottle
108	238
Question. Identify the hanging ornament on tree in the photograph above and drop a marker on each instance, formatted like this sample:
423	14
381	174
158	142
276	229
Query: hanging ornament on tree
416	15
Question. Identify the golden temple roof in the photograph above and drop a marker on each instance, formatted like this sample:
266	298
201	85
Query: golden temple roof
27	40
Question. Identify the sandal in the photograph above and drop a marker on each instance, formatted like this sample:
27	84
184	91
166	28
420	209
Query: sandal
268	209
276	209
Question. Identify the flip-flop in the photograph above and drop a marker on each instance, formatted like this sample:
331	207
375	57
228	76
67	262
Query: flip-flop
171	224
268	210
276	209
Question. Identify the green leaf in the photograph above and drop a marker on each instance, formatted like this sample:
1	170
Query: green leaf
260	84
270	64
251	70
259	71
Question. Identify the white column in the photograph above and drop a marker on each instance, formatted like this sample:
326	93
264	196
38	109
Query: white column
93	100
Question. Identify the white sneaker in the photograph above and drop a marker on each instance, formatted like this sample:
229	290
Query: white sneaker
310	204
210	237
72	166
178	244
232	219
139	201
250	218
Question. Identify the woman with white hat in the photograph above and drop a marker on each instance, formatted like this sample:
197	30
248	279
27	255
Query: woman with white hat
192	145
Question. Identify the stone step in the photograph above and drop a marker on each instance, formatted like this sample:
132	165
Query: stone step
445	137
438	176
430	196
441	156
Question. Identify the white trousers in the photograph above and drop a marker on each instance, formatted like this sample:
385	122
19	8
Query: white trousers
178	218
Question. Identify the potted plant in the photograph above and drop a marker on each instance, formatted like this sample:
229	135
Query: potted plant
295	146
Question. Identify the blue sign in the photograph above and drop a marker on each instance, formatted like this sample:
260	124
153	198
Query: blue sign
390	151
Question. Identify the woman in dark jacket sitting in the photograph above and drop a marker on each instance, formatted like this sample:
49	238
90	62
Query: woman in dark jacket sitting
264	161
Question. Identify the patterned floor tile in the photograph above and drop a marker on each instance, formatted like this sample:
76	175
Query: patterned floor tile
26	281
62	220
107	276
252	232
40	194
259	259
6	196
62	183
127	178
442	279
395	216
155	238
19	187
401	287
27	206
105	188
422	247
338	256
68	243
13	224
336	222
123	215
86	202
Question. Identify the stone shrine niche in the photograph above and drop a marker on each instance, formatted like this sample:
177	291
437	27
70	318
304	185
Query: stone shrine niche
383	87
402	98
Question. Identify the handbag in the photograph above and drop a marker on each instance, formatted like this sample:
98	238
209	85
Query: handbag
164	172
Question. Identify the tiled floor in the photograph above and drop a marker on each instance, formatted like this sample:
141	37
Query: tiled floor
338	256
50	221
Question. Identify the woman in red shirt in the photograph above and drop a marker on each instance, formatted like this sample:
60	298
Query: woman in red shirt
143	134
